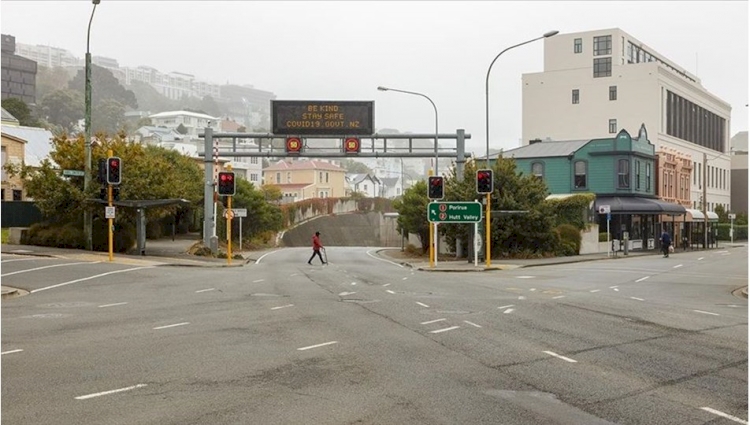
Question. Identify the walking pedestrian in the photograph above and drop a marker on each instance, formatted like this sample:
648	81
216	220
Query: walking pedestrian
316	248
666	241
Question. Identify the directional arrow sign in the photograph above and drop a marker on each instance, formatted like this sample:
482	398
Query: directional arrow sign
454	212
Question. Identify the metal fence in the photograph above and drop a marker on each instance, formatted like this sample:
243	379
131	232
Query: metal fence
19	214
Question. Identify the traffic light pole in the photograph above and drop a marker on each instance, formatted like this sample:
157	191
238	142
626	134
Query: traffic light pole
229	230
432	246
487	250
110	221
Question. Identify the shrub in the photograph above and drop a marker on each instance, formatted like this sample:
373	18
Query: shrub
568	248
70	236
740	232
569	234
603	236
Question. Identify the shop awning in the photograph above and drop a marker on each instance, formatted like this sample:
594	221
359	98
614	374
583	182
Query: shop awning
697	215
636	205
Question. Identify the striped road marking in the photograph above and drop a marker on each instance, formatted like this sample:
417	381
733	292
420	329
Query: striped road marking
172	326
423	304
317	345
111	305
205	290
724	415
282	306
472	324
560	357
84	397
444	330
11	351
706	312
432	321
506	306
642	279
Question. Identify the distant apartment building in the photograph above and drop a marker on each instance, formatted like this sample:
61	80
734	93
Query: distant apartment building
602	81
739	173
18	73
48	56
193	123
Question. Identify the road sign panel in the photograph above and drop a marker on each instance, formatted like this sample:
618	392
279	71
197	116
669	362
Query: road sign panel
74	173
301	117
240	212
732	216
604	209
454	212
228	214
109	212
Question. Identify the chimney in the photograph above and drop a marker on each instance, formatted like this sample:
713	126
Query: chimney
532	141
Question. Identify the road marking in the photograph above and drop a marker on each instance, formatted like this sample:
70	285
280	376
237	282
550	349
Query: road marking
354	283
49	267
432	321
205	290
677	266
472	324
382	259
506	306
444	330
724	415
616	289
613	287
12	351
423	304
27	259
293	274
728	253
524	277
89	278
642	279
558	297
560	357
532	289
387	284
265	255
389	291
706	312
111	305
258	281
343	294
595	290
84	397
701	258
721	252
508	311
172	326
521	297
282	306
404	278
317	345
637	299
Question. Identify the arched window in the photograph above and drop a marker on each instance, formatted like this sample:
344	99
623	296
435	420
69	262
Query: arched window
623	173
537	169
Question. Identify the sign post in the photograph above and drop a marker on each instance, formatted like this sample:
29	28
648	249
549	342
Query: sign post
453	212
239	213
731	226
605	209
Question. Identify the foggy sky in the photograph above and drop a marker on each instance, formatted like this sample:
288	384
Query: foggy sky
343	50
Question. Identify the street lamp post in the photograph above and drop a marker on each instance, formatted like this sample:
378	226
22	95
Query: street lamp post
381	88
87	130
487	136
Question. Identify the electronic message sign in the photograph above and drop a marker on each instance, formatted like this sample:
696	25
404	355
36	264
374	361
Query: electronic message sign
322	117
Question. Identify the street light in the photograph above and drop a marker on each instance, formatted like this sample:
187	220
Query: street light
487	89
87	131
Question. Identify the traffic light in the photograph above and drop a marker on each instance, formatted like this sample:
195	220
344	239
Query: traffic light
435	189
485	181
226	183
114	170
101	177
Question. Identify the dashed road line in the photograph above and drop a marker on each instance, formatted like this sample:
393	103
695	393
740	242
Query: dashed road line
472	324
432	321
343	294
389	291
724	415
700	258
707	312
404	278
423	304
510	310
532	289
505	306
84	397
386	285
558	297
282	306
205	290
172	326
567	359
677	266
444	330
258	281
637	299
521	297
317	345
111	305
12	351
595	290
524	277
642	279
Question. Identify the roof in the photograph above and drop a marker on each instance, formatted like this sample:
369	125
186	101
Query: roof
638	205
168	114
358	178
8	117
291	185
38	142
546	149
303	165
389	181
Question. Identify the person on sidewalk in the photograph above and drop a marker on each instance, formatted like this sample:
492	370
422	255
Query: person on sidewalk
316	249
666	241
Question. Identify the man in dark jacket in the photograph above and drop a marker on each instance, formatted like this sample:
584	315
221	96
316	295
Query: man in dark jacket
316	248
666	241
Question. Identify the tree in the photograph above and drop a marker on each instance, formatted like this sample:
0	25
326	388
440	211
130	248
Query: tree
412	213
355	167
151	100
63	108
108	117
262	216
49	80
21	111
104	86
271	192
209	105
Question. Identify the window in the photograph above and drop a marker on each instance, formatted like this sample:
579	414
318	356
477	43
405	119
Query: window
320	177
278	178
537	169
579	181
613	126
326	177
637	175
576	97
648	177
17	195
253	159
603	45
623	173
253	177
288	177
577	45
4	159
602	67
364	187
612	92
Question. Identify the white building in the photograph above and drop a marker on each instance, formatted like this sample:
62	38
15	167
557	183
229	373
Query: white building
48	56
596	83
193	122
366	184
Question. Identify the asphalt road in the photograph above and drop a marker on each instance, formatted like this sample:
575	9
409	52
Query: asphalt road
643	340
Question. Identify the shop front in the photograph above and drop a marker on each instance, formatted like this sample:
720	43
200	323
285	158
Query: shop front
635	222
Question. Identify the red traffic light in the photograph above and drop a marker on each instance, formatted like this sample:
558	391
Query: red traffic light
226	183
114	172
435	189
485	181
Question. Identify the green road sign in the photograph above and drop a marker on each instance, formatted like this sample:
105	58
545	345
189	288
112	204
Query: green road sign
454	212
73	173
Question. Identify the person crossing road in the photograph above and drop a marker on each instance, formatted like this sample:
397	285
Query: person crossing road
317	246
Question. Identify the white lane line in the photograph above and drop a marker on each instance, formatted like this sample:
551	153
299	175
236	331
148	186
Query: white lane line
616	290
265	255
386	285
595	290
721	252
317	345
472	324
444	330
343	294
27	259
12	351
282	306
724	415
677	266
558	297
423	304
172	326
84	397
389	291
432	321
613	287
258	281
506	306
637	299
382	259
521	297
205	290
90	277
49	267
111	305
701	258
354	283
532	289
404	278
706	312
560	357
294	274
510	310
728	253
524	277
642	279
